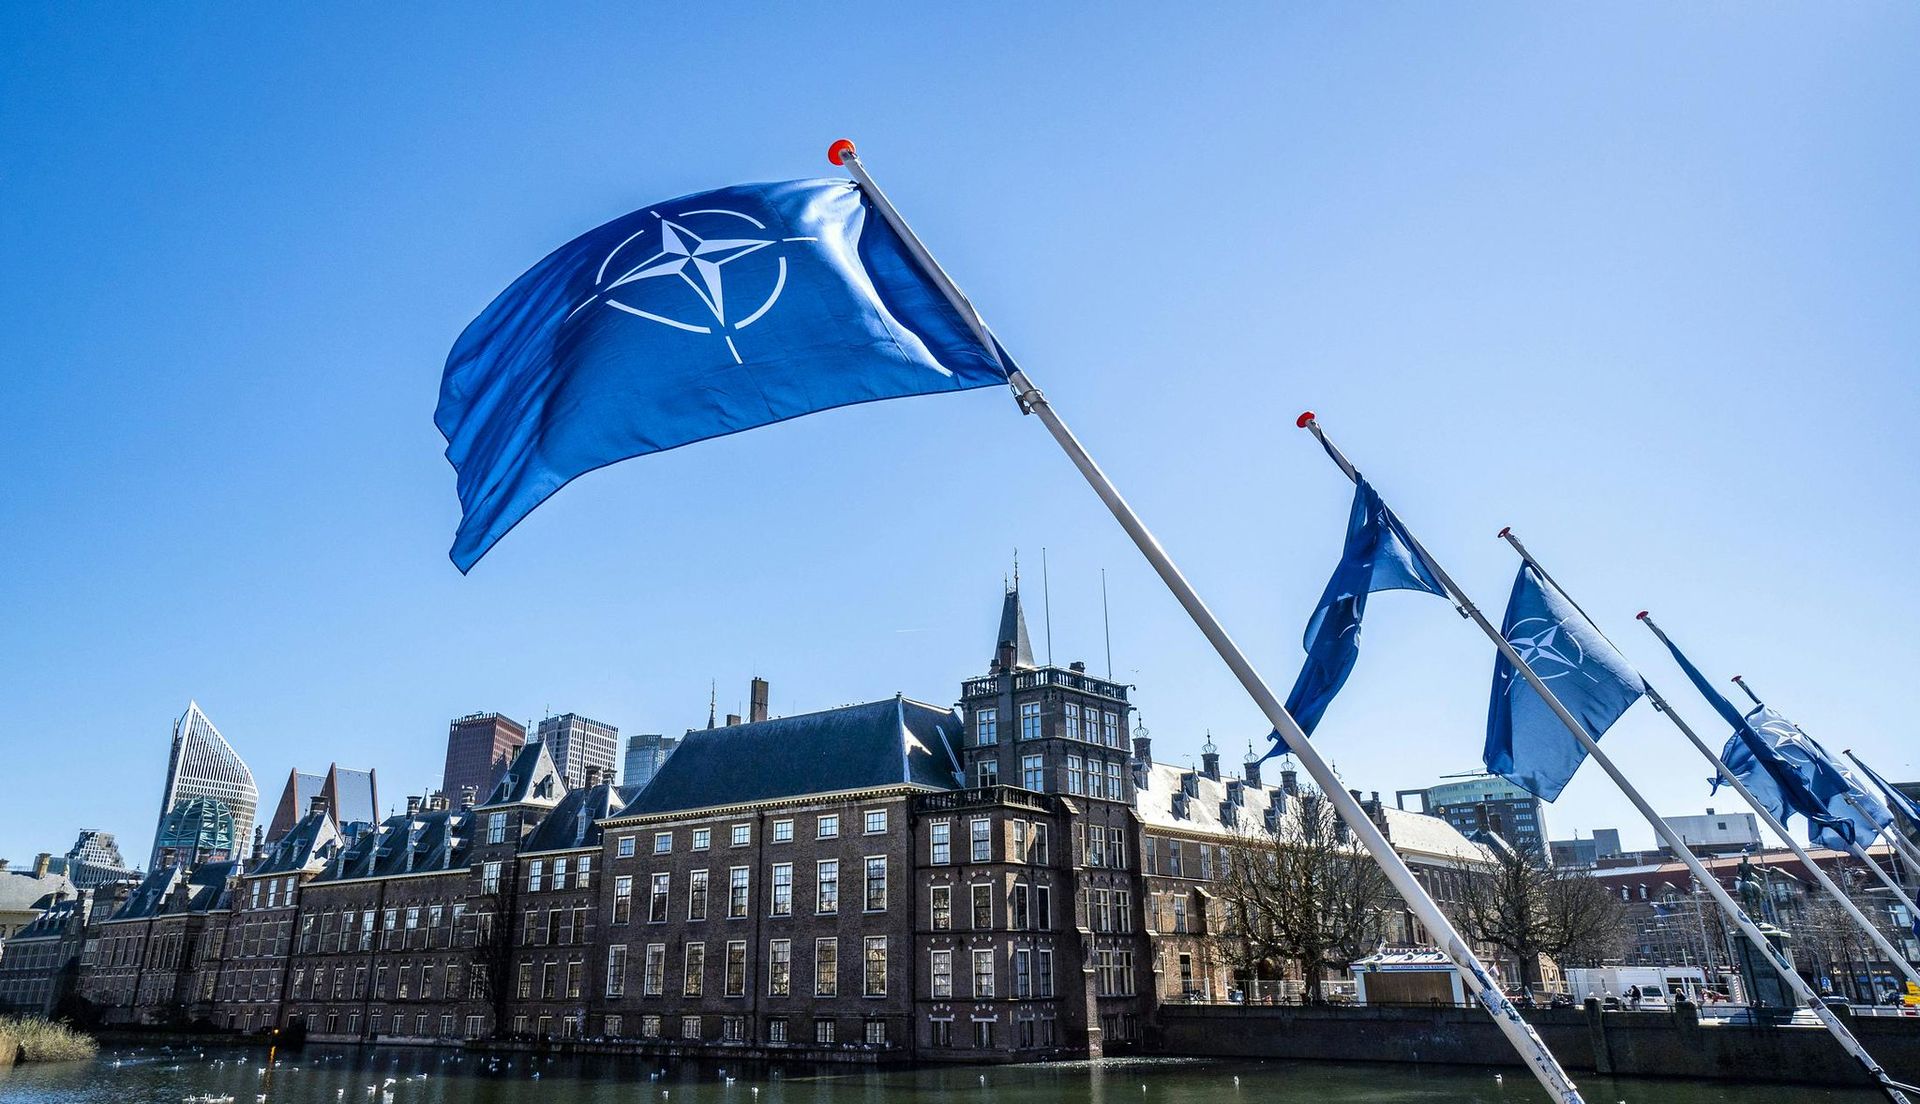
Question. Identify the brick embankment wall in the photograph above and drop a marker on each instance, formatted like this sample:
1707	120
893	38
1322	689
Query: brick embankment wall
1627	1044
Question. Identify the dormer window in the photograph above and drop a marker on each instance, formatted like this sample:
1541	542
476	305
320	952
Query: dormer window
1190	784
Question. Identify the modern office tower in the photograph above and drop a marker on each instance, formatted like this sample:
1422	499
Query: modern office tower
351	799
479	747
1488	803
646	753
205	777
95	860
576	743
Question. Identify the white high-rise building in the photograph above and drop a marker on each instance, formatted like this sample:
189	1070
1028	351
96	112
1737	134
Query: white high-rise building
210	802
576	743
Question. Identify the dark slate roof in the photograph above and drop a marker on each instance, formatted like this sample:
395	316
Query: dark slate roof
312	839
890	742
1013	630
208	887
427	841
25	891
575	821
531	779
53	922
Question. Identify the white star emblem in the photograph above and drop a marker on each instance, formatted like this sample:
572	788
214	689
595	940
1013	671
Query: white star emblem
682	258
1547	648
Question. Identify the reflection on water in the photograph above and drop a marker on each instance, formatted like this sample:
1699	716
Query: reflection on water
395	1075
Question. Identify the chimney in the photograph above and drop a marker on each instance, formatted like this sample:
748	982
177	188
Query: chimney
1290	782
1080	665
733	719
468	795
593	775
40	863
413	805
1253	770
757	700
1143	748
317	804
1210	760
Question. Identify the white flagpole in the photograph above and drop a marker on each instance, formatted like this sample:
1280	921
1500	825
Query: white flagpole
1661	704
1661	828
1893	835
1532	1049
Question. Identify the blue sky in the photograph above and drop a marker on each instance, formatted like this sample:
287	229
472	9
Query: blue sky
1639	281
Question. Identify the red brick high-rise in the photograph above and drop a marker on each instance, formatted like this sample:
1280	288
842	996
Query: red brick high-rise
479	746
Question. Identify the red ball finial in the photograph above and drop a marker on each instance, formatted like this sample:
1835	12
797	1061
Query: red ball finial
837	153
1641	616
1504	531
1303	419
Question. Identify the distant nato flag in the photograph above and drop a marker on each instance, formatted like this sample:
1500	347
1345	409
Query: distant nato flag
694	318
1526	741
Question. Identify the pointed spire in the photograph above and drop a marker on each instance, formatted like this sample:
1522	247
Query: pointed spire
713	698
1012	651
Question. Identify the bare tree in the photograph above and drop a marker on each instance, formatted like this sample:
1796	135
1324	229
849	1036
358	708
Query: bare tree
1302	891
491	953
1530	909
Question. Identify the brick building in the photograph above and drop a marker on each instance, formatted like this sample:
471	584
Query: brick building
41	964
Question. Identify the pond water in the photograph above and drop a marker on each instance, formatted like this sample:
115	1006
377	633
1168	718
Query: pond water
341	1075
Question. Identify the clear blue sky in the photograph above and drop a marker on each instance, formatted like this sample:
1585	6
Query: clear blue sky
1640	281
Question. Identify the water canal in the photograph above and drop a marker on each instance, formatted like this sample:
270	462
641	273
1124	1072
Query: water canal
340	1075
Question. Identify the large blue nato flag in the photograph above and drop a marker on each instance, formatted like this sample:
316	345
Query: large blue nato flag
689	319
1379	555
1788	771
1526	741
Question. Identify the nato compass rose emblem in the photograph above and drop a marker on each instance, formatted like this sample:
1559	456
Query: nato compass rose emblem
678	272
1548	649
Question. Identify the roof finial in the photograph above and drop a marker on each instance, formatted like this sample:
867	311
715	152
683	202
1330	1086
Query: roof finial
713	698
1016	571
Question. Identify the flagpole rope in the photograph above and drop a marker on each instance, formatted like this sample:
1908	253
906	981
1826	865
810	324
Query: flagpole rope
1532	1049
1661	829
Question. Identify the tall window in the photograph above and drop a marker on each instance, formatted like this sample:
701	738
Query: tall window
697	895
986	773
1022	907
1033	773
1076	774
982	907
1023	973
982	839
1019	840
827	881
622	898
982	974
877	883
654	982
780	967
496	828
940	832
942	974
826	967
1038	856
737	891
1043	908
876	963
693	978
736	968
986	727
942	897
1116	789
1111	729
1071	712
1030	721
782	889
584	876
1043	969
657	900
1116	849
535	872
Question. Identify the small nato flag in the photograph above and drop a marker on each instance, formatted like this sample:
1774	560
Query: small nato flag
1378	555
1851	814
1526	742
689	319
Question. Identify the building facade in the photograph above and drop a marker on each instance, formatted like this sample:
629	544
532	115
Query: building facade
479	747
579	744
1488	803
208	808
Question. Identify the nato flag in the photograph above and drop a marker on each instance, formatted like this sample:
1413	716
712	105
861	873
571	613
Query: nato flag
1526	742
1895	799
1842	812
1379	555
694	318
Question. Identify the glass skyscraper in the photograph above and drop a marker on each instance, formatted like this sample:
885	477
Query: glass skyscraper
205	777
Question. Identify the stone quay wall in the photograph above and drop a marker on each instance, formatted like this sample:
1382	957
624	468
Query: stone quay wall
1626	1044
